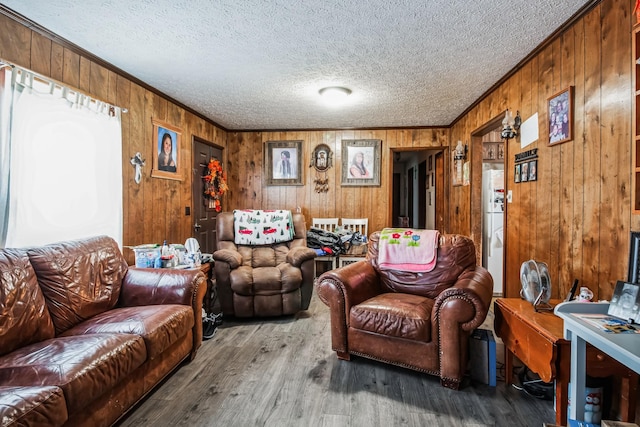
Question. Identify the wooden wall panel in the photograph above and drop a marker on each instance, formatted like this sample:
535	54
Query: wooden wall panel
249	192
577	215
154	209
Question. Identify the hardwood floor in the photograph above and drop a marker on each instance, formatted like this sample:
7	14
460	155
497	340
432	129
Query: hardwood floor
282	372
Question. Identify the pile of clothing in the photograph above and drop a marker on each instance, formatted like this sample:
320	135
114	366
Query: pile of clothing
326	243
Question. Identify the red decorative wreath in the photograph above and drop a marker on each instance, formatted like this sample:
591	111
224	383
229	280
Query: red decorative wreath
215	184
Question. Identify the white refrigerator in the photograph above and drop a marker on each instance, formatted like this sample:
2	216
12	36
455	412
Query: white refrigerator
493	225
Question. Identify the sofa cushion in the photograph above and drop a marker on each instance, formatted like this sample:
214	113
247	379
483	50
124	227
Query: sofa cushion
83	366
32	406
79	278
398	315
24	317
159	325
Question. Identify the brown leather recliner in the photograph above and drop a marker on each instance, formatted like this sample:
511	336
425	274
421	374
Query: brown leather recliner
265	280
420	321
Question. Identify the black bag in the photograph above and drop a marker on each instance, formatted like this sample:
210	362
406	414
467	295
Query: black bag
320	239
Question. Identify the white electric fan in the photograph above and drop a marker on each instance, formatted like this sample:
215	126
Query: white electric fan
536	284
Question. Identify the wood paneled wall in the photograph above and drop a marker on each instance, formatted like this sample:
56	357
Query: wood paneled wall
248	189
154	210
577	216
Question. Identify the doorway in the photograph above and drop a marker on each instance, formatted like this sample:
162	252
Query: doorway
418	183
490	201
204	217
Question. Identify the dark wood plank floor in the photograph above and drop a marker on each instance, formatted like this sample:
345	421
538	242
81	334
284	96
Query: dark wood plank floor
282	372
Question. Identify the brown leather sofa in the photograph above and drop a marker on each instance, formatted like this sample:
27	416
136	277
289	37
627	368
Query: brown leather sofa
420	321
263	280
83	337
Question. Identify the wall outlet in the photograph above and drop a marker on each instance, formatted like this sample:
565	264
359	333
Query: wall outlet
509	196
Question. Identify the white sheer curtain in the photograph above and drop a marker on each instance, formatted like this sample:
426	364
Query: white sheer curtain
65	167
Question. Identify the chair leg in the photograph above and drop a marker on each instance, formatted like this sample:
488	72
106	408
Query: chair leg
450	383
343	355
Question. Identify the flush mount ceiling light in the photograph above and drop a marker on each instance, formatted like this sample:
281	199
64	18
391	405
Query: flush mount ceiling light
335	94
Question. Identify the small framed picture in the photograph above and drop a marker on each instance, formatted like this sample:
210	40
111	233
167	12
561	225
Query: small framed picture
361	162
322	158
283	162
516	173
533	170
560	109
524	172
166	151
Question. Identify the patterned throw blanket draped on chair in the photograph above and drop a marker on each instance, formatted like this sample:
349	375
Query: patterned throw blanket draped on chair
262	227
408	249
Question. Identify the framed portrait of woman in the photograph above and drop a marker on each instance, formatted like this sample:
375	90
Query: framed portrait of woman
361	162
166	151
283	162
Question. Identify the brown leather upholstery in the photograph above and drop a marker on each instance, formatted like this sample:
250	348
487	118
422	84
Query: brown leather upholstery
420	321
84	337
266	280
32	406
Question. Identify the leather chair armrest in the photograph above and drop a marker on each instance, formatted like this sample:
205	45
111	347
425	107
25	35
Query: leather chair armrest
233	258
468	301
296	256
342	288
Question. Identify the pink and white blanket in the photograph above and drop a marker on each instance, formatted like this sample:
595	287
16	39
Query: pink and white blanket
408	249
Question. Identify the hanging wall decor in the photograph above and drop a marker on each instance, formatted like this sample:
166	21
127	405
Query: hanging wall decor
321	161
215	185
283	162
361	160
137	162
166	143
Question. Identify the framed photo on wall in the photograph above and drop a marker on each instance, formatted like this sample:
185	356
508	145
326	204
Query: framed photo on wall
361	162
533	170
560	116
283	162
166	143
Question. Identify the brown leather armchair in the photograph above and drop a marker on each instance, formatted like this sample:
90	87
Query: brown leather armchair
265	280
420	321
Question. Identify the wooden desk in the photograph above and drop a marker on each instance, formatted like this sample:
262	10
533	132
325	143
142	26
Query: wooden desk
537	339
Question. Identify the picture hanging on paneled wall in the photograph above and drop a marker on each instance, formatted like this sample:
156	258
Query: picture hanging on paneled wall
166	151
283	162
561	116
361	162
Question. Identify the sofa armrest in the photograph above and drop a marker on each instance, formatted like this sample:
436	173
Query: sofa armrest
151	286
458	310
297	255
468	300
233	258
343	288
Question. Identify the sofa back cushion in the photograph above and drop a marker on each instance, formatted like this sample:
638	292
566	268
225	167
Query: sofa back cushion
24	317
456	253
79	278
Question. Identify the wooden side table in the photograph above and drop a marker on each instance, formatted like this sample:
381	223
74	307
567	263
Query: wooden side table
536	338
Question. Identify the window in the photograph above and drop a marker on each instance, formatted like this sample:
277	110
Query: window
65	164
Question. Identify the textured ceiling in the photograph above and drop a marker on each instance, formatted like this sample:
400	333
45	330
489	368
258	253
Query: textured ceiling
258	64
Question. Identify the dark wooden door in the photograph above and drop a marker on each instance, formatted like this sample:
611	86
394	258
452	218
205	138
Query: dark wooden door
204	217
